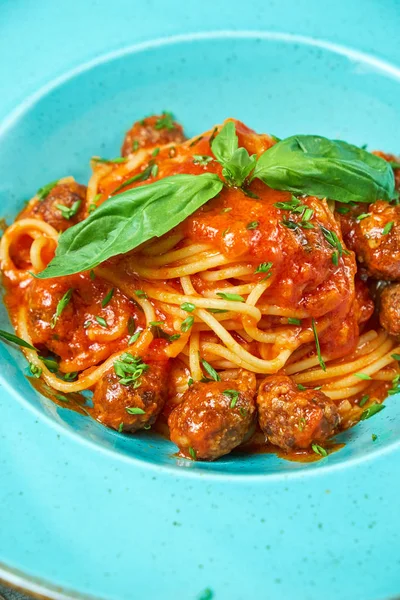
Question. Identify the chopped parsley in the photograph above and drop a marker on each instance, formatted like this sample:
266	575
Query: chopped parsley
187	324
120	428
317	345
388	228
140	294
192	452
293	321
117	160
107	298
233	395
319	450
142	176
201	159
166	121
333	240
135	145
92	275
188	306
35	370
134	338
232	297
10	337
61	306
252	225
363	400
69	212
374	437
363	216
134	410
371	411
210	370
155	152
154	170
102	322
129	369
264	267
44	191
363	376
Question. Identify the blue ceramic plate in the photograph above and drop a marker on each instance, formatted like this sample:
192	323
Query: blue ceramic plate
117	517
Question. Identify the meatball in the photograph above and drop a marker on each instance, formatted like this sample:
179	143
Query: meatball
152	131
214	417
389	312
375	238
128	405
294	419
72	195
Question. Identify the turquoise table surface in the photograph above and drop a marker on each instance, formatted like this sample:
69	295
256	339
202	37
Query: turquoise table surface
88	513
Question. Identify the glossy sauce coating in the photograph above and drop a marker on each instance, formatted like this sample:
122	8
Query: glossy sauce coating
292	418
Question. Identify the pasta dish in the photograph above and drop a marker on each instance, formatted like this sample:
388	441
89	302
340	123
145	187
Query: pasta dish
230	289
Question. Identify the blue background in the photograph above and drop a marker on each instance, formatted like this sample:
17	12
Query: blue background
93	521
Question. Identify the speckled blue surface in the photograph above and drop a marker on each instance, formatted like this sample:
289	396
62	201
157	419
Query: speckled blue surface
121	518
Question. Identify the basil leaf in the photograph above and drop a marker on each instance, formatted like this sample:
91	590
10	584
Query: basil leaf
239	167
225	143
314	165
236	162
128	219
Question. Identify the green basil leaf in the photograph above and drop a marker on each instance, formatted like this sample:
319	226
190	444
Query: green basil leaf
225	143
128	219
236	162
314	165
239	166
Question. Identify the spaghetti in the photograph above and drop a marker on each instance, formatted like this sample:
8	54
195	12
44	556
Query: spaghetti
246	287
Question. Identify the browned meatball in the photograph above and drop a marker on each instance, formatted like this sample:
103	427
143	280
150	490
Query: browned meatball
375	238
294	419
389	313
70	195
152	131
123	406
213	418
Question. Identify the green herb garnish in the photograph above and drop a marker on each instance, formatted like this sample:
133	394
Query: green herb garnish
10	337
102	322
314	165
319	450
363	400
201	159
210	370
166	121
232	297
192	452
188	306
388	228
44	191
293	321
252	225
371	411
128	219
107	298
363	376
233	395
129	369
236	162
134	410
187	324
61	306
317	345
35	371
69	212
